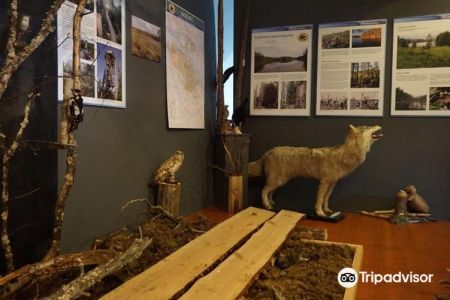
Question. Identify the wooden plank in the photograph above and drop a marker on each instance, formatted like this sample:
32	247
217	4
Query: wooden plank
235	194
173	274
350	293
233	275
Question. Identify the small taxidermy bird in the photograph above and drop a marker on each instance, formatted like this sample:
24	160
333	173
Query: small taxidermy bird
22	28
75	110
166	171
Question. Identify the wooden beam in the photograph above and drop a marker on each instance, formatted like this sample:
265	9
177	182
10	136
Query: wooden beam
232	276
172	275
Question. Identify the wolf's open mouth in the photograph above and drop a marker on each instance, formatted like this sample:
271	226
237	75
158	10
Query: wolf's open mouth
376	135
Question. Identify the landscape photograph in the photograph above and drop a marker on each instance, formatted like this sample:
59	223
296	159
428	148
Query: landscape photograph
440	98
423	48
109	72
365	37
333	101
336	40
145	39
365	75
284	57
266	95
293	95
87	50
368	100
109	20
87	79
410	97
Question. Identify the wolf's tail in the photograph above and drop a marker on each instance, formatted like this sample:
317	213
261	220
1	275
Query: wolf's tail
256	168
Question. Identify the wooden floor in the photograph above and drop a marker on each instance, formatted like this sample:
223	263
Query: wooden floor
388	248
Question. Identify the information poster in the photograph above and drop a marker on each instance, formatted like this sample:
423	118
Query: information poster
281	71
185	68
421	66
350	68
102	52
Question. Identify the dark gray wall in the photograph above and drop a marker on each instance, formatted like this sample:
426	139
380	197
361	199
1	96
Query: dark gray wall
413	151
120	148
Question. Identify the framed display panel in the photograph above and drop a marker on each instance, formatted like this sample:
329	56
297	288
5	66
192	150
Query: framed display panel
350	68
102	52
281	71
421	66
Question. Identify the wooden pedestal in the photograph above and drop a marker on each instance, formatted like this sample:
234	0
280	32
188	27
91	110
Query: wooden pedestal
235	194
169	197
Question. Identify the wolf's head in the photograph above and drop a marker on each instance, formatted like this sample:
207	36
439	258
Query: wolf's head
364	136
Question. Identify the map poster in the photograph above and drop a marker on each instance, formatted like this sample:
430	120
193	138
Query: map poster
281	71
185	68
421	66
350	68
102	52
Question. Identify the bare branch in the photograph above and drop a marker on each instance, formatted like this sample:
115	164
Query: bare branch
26	194
7	155
58	265
67	137
10	46
86	281
13	62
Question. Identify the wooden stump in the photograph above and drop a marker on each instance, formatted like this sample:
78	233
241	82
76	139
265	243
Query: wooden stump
235	194
169	197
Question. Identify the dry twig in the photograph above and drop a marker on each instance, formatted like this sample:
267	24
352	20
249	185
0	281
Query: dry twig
86	281
7	155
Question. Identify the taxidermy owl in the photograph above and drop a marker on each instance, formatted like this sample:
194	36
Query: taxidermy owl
166	172
22	28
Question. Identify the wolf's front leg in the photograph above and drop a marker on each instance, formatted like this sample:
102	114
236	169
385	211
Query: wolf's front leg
321	193
327	198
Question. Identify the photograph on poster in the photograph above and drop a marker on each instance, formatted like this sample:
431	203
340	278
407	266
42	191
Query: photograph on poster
365	75
333	101
87	79
281	58
335	40
367	100
366	37
421	66
410	97
423	48
109	20
440	98
145	39
266	95
87	49
109	72
293	94
280	71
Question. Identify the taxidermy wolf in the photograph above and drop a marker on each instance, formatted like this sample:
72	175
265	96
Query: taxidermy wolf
327	164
